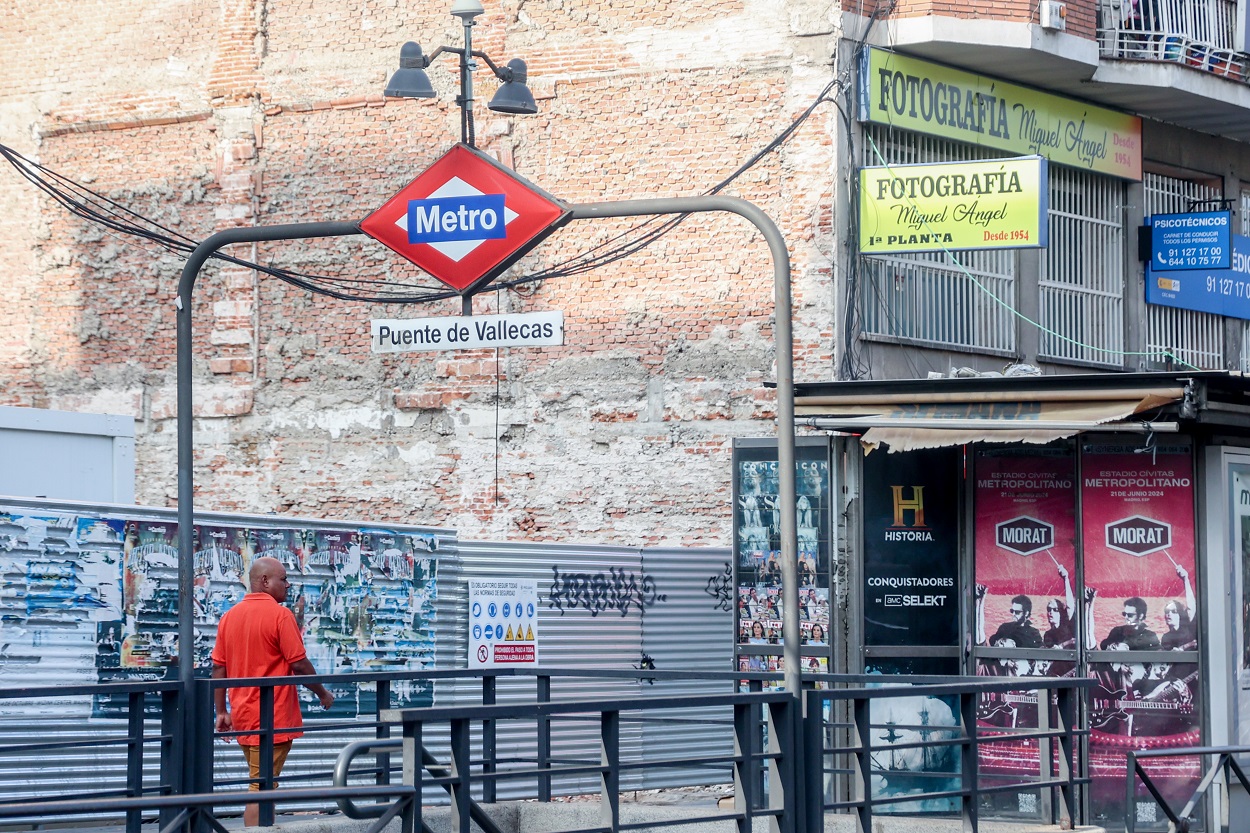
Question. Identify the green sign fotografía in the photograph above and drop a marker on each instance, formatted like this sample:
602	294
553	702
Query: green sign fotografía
989	204
914	94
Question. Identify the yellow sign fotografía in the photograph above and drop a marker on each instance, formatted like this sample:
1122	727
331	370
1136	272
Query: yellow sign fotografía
915	94
989	204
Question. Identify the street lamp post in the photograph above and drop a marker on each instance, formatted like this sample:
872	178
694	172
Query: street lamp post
410	80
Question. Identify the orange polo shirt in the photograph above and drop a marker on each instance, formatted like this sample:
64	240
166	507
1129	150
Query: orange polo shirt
259	638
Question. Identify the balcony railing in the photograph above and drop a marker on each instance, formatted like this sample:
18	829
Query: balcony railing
1193	33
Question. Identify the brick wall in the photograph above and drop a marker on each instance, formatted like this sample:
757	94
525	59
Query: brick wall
206	114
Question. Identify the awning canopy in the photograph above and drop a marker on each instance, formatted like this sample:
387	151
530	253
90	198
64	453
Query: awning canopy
930	413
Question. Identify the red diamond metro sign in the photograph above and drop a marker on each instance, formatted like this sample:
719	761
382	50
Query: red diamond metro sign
465	219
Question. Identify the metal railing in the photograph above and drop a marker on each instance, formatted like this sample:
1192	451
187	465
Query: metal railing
1195	33
1181	820
134	740
1060	766
832	729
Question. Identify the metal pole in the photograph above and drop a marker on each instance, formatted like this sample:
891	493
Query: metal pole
186	463
466	83
783	328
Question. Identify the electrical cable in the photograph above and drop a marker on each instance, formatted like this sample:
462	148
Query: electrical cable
604	253
97	208
94	207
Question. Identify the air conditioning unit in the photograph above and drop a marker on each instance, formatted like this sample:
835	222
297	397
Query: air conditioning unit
1054	15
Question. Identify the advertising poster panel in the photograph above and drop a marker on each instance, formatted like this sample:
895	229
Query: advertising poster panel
911	547
911	597
1138	537
757	536
1024	597
1240	547
900	769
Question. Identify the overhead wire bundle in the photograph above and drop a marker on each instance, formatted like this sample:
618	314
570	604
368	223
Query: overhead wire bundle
97	208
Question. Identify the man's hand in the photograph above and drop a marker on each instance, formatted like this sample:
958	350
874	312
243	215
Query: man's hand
326	698
1063	571
225	724
980	591
1182	572
1090	593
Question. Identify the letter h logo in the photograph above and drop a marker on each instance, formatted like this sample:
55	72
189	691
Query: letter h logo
916	505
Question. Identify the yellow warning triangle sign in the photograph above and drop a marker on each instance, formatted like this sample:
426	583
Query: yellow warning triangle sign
508	638
529	634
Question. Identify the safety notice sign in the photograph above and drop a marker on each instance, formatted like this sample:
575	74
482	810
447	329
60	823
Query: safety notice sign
503	622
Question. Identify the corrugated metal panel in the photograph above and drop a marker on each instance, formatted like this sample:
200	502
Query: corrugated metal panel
692	631
600	631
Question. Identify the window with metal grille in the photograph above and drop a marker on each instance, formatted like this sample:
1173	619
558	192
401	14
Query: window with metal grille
1081	285
1195	338
928	298
949	301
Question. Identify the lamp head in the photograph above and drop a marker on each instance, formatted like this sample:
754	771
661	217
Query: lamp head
410	80
514	96
466	10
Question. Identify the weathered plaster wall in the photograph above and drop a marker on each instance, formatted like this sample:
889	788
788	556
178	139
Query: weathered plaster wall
205	114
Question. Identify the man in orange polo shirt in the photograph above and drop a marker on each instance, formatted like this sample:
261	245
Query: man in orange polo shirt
259	637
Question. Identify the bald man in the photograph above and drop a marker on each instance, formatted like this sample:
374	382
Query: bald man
259	637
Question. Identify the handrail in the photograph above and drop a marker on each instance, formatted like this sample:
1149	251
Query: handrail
192	807
1224	763
154	686
342	768
966	739
775	755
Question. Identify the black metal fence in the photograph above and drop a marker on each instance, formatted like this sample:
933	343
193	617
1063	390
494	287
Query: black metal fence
791	759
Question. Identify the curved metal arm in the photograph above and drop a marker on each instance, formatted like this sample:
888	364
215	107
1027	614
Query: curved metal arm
503	74
186	452
783	330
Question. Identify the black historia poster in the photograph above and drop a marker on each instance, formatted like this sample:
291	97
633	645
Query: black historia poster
911	547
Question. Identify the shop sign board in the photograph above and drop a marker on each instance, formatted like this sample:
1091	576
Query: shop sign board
993	204
503	622
914	94
1200	240
1217	291
532	329
466	219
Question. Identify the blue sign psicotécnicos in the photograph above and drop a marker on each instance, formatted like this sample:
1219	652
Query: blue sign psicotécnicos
1218	291
1199	240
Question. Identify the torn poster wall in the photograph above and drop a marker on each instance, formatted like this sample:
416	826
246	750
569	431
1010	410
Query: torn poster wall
104	592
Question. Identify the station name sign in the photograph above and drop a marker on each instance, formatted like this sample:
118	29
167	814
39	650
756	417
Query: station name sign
534	329
993	204
914	94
